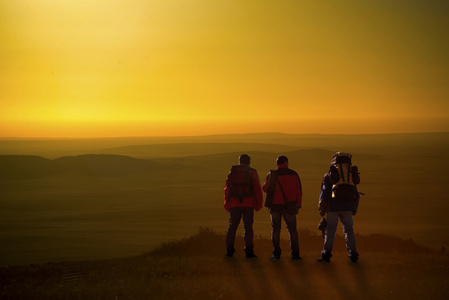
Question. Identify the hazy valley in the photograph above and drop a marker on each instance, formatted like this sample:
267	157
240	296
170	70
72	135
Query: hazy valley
105	198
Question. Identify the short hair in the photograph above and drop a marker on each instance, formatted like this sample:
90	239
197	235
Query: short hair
281	160
245	159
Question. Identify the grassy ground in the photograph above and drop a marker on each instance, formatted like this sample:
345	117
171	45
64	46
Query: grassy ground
196	268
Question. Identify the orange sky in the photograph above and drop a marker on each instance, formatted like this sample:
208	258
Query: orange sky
91	68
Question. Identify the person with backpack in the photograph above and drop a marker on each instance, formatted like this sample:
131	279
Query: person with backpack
339	199
284	199
243	195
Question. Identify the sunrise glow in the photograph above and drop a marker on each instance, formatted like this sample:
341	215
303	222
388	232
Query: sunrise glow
152	68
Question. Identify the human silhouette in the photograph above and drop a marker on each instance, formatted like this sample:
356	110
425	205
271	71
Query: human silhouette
284	199
243	195
339	199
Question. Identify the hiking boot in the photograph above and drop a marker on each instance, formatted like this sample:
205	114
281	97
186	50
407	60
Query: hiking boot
353	258
230	252
322	259
276	254
295	255
250	254
325	257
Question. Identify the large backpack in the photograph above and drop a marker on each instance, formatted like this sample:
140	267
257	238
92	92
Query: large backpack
241	182
344	176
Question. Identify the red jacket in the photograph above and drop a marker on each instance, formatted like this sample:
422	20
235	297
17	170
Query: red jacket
255	201
291	184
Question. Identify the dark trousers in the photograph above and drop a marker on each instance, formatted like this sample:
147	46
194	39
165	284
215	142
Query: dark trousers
236	213
347	224
290	220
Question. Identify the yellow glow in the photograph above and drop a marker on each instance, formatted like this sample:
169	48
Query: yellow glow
191	67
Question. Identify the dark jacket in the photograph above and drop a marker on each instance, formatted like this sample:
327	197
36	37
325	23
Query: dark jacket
291	185
327	203
255	201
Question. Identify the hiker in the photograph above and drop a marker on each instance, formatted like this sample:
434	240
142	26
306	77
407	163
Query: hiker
284	199
339	198
242	195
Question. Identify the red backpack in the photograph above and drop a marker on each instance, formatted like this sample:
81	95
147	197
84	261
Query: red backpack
241	182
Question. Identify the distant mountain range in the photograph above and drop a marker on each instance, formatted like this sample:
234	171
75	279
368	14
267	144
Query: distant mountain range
192	149
24	166
35	158
151	147
111	165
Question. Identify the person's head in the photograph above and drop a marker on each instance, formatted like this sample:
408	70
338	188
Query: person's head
244	159
282	160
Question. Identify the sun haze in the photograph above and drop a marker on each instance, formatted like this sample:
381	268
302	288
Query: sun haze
188	67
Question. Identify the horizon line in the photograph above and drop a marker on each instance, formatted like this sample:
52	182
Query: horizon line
214	135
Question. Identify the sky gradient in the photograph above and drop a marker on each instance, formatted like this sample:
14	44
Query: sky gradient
96	68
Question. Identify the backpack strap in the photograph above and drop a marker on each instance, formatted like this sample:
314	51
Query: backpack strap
282	190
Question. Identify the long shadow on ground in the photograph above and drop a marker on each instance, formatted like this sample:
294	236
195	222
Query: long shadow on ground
196	268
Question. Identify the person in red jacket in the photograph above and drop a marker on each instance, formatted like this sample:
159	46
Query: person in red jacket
243	195
284	199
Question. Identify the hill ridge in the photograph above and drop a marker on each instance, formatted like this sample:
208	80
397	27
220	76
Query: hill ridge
32	166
